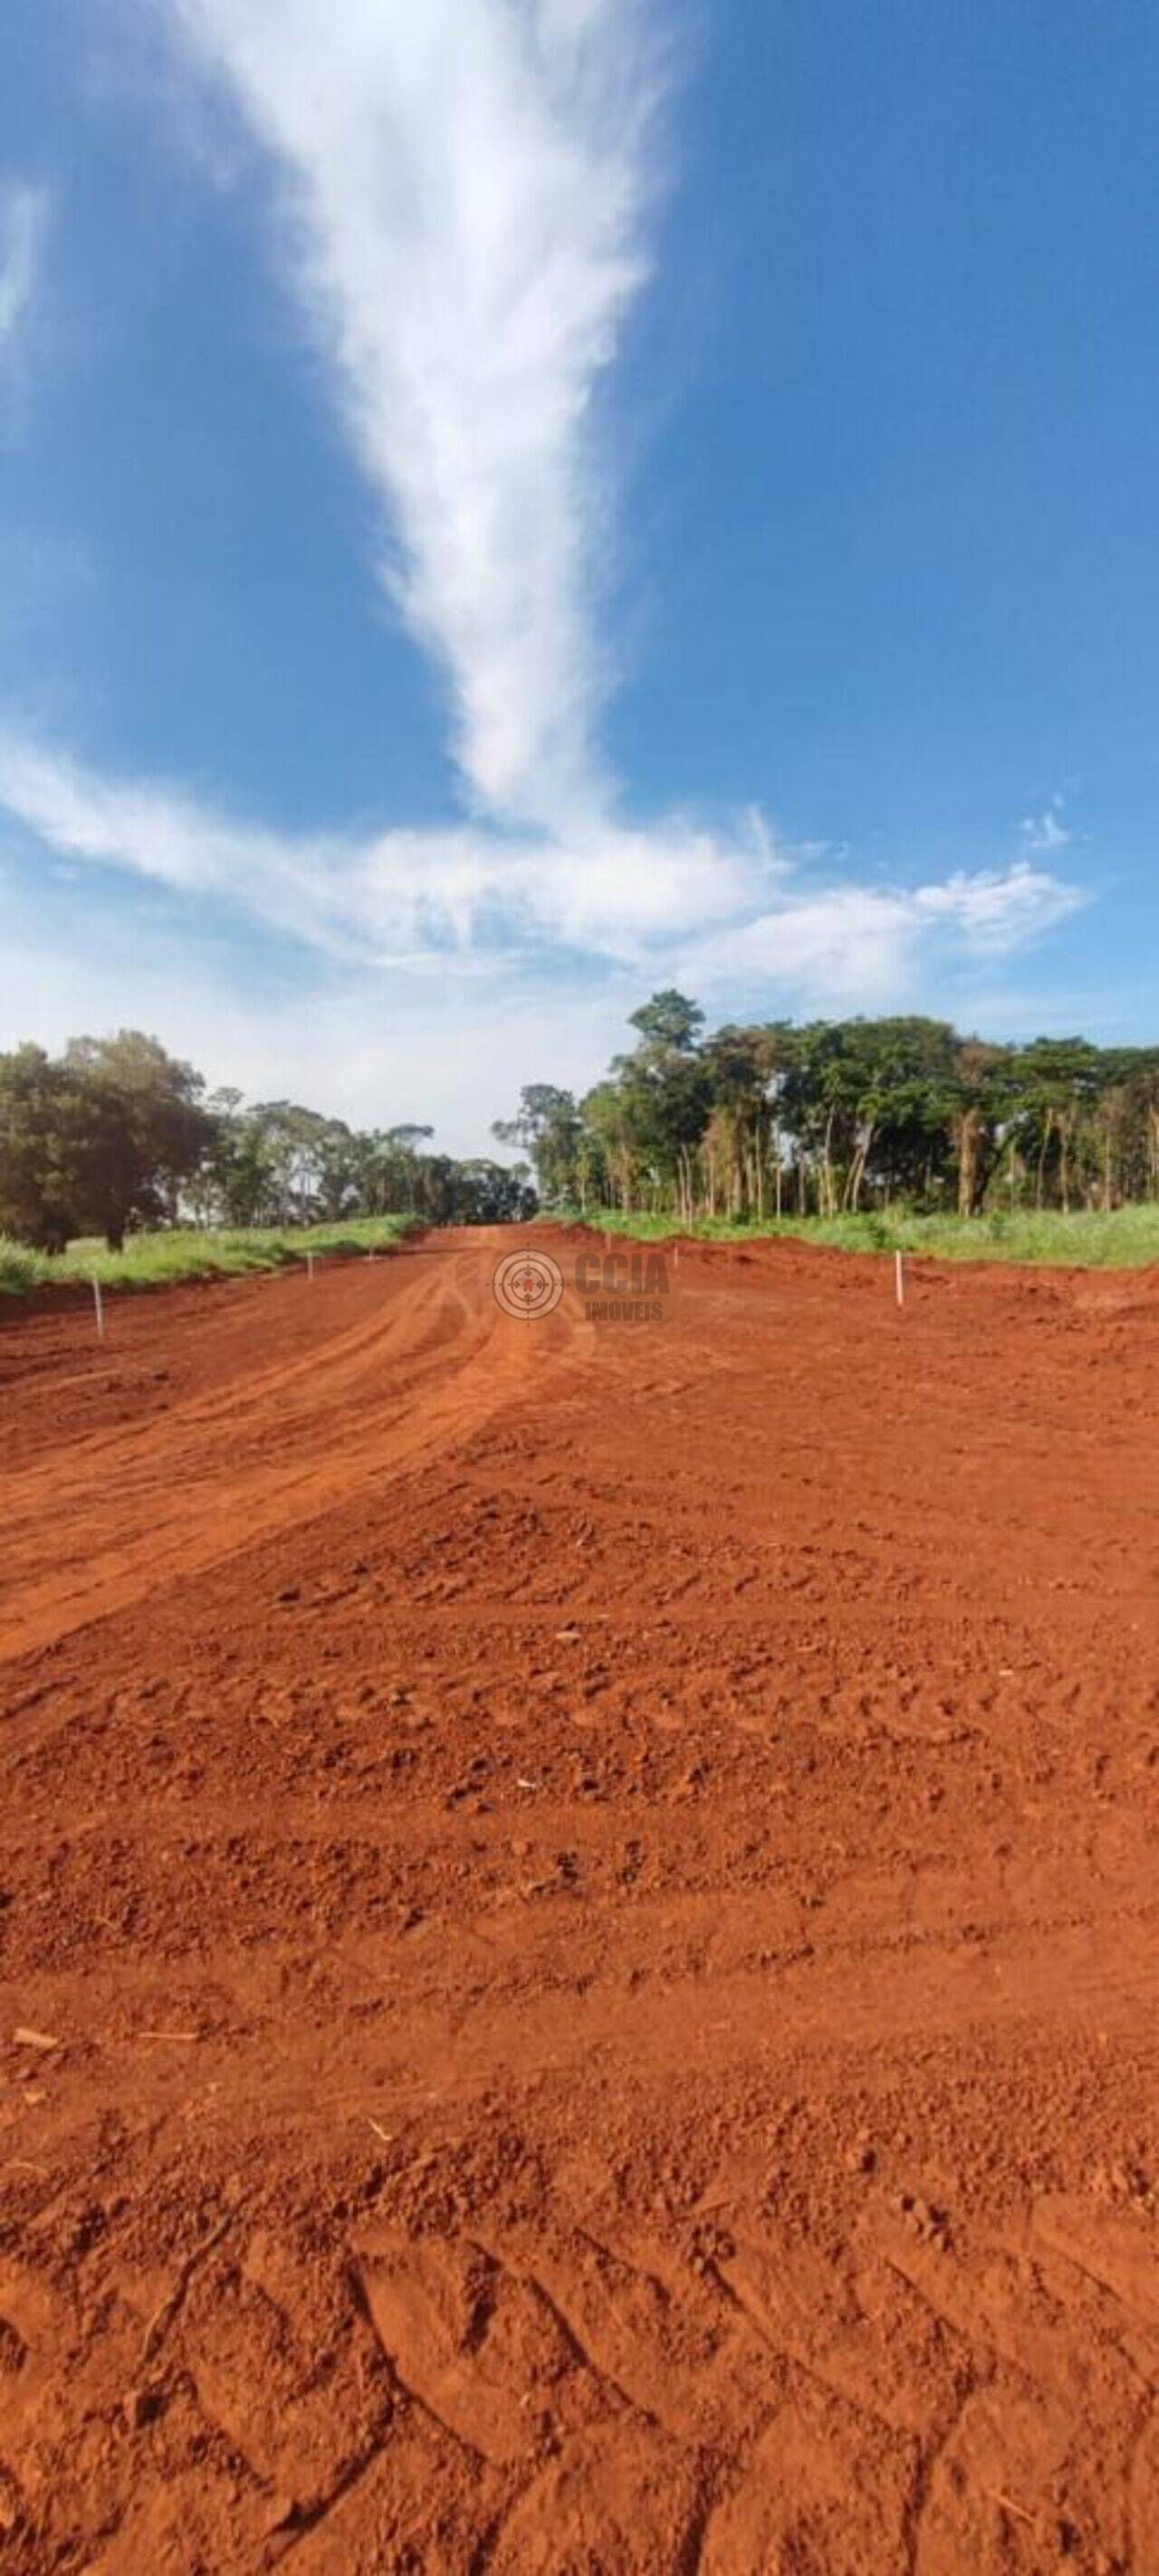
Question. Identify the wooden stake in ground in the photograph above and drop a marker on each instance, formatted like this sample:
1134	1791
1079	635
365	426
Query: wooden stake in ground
309	1265
98	1303
899	1278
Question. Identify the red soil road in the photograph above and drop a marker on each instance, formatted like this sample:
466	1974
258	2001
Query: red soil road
594	1891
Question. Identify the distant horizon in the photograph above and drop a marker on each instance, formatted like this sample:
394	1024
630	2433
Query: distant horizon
511	507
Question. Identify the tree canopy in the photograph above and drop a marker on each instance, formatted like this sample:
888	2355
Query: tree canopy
745	1121
98	1139
845	1114
115	1133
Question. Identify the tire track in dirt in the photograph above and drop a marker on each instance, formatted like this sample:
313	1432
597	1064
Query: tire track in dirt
597	1984
139	1509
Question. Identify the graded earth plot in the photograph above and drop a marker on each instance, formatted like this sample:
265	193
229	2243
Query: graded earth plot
577	1923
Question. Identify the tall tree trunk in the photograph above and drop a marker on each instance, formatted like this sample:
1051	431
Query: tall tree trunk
1039	1176
829	1194
969	1146
857	1168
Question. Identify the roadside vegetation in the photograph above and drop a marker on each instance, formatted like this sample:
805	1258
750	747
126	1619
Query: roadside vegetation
115	1136
1123	1239
874	1134
157	1259
902	1125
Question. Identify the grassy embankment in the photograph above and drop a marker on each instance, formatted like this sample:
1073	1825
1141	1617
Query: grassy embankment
157	1260
1123	1239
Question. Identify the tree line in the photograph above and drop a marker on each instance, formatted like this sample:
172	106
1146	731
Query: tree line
836	1116
115	1133
747	1122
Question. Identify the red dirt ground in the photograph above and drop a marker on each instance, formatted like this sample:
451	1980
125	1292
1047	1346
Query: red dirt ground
593	1890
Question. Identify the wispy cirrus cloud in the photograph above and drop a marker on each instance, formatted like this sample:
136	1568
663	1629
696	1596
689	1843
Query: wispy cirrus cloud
23	213
858	947
610	892
464	189
464	201
1046	831
462	205
716	908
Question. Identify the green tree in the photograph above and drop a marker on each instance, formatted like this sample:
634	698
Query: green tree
548	1126
37	1175
669	1023
666	1096
136	1131
1059	1082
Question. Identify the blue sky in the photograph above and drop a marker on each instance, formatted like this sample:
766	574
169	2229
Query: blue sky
506	505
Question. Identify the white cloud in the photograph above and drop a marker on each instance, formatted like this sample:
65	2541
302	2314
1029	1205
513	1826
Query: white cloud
1046	831
379	1046
400	896
465	187
999	909
463	210
23	211
456	904
852	948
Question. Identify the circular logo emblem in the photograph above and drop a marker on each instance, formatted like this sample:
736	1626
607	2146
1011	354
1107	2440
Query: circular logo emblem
528	1284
